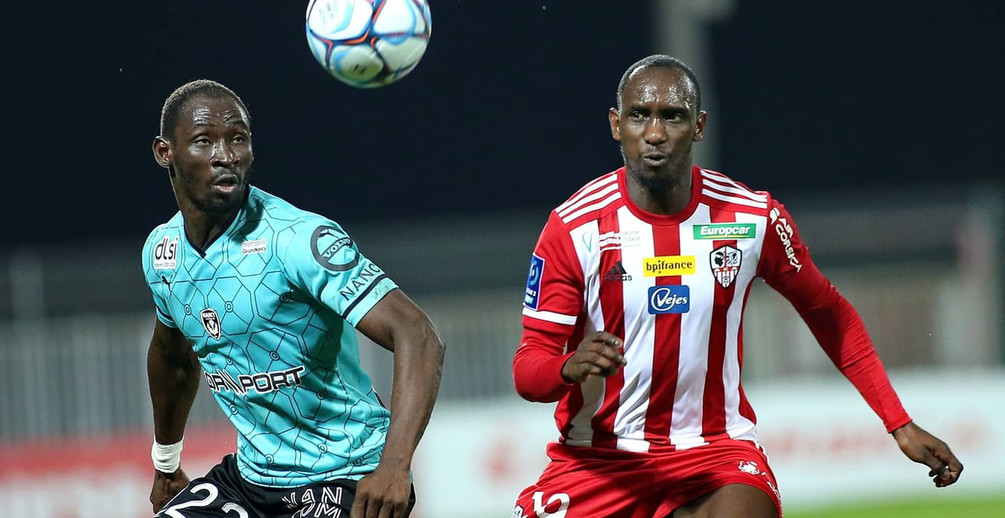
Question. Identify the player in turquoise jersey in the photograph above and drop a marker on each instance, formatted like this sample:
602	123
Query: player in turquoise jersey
262	300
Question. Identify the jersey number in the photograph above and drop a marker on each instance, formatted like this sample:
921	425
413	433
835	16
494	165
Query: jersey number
539	505
211	493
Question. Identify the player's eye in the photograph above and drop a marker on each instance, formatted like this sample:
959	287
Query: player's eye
636	115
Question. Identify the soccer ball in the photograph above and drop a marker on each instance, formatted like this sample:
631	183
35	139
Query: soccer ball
368	43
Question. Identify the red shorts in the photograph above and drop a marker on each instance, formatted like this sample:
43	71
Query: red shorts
590	482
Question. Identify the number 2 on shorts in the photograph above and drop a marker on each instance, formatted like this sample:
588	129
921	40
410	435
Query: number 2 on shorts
211	493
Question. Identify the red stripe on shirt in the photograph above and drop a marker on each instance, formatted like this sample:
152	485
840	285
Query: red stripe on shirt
713	412
612	303
666	349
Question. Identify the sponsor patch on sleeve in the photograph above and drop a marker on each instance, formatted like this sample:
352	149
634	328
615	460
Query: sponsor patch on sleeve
532	295
333	249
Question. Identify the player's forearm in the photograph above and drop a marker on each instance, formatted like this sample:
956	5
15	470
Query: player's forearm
174	381
418	363
840	331
537	374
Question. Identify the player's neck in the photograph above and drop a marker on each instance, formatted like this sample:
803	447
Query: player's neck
664	195
202	229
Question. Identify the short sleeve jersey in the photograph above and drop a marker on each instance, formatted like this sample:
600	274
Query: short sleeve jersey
270	308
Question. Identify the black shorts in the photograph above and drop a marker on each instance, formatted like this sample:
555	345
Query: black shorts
223	493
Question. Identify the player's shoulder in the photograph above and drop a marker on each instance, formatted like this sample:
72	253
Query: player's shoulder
162	241
287	220
300	233
720	190
592	201
171	229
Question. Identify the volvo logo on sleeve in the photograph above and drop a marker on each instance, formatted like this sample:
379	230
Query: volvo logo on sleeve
211	321
166	254
333	249
669	298
725	262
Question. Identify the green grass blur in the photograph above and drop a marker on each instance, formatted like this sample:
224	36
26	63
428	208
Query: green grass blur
978	507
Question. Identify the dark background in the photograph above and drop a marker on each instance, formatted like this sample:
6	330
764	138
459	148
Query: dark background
506	111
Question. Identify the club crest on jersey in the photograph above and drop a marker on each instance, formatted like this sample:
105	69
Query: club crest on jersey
166	254
211	321
333	250
669	298
725	262
532	295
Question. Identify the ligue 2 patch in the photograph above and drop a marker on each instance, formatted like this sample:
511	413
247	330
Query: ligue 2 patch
532	295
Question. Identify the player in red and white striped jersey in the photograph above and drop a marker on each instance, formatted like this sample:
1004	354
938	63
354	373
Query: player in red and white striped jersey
632	323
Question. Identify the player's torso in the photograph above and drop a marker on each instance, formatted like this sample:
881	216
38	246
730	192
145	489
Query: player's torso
637	273
282	366
674	287
235	305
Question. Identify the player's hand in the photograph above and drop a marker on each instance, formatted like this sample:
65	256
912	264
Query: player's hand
924	448
166	486
598	354
382	494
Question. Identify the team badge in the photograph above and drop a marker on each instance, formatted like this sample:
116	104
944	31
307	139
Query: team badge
211	321
725	262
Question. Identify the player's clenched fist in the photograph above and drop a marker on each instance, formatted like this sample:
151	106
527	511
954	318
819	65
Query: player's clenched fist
599	354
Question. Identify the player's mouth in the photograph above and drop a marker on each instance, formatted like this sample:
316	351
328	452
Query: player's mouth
226	183
655	159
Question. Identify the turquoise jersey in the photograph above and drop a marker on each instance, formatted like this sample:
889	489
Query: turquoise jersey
270	308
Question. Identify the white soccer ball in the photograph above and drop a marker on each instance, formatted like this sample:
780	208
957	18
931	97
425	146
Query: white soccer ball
368	43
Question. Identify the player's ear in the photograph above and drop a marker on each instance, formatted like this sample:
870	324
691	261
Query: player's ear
162	151
615	118
699	126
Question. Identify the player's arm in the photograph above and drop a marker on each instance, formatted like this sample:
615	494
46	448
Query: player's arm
543	369
399	325
786	265
173	373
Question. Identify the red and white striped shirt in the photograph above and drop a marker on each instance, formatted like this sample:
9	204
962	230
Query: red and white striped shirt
674	287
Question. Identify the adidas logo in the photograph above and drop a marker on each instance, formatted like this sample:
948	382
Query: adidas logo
617	273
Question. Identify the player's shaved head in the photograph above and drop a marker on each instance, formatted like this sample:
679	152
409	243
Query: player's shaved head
177	99
662	61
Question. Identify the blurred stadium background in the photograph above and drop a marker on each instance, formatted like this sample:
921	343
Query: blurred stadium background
875	126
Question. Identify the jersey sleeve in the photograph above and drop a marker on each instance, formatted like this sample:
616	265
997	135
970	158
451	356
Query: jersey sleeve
325	262
156	282
551	306
787	267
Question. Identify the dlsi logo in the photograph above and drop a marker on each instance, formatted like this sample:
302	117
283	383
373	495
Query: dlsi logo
166	254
